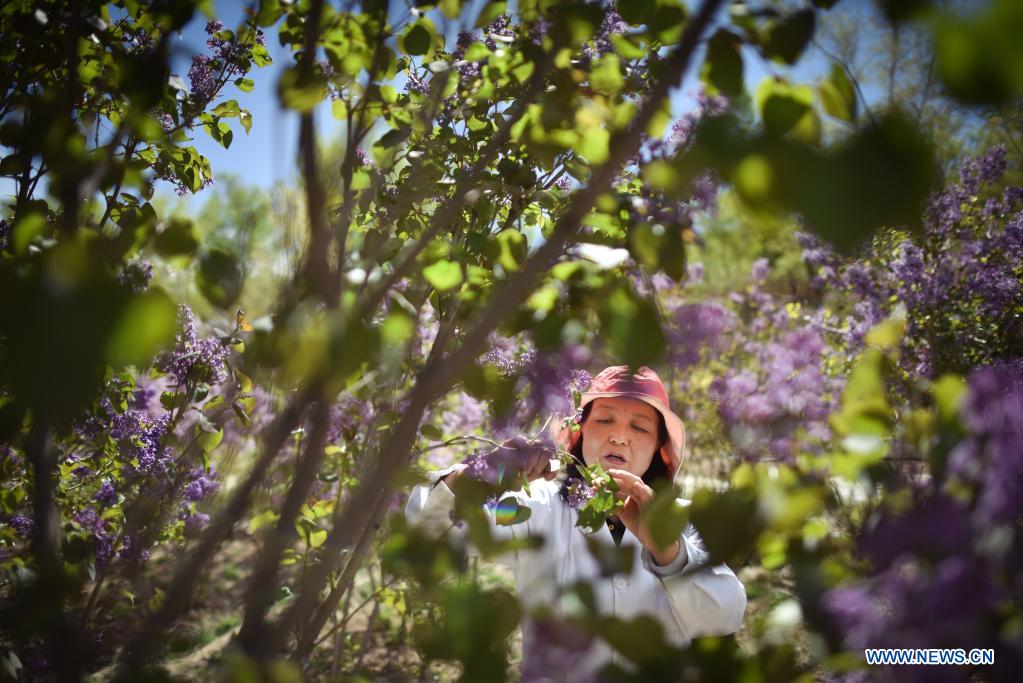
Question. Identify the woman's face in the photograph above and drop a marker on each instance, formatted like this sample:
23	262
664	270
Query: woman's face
620	433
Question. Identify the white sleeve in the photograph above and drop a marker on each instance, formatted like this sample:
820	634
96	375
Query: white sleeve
706	600
432	505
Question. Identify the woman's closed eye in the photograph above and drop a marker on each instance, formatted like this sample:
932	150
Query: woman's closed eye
640	429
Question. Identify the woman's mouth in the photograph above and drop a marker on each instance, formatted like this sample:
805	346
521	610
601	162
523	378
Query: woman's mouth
615	458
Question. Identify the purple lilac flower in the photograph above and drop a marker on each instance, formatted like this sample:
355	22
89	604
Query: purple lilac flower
89	521
698	329
140	438
465	39
579	493
991	458
760	270
136	275
201	484
564	183
107	494
681	132
132	551
195	522
194	359
611	25
166	121
22	525
416	84
556	644
705	191
466	417
202	78
499	29
982	170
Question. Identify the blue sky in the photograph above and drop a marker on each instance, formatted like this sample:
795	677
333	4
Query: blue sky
267	153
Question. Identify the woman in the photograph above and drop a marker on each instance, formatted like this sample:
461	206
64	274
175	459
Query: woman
627	426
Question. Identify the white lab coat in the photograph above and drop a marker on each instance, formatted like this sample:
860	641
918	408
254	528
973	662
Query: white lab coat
687	597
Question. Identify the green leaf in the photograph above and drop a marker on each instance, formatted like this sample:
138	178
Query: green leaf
178	237
209	440
636	12
786	38
397	328
512	249
260	56
244	84
728	522
147	325
606	75
837	95
865	409
632	327
612	559
723	66
594	144
980	56
262	519
887	334
575	23
640	639
882	176
431	432
417	38
219	277
509	512
787	110
394	137
443	275
27	228
450	8
492	11
665	518
300	92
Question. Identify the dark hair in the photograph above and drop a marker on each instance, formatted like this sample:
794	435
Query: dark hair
656	472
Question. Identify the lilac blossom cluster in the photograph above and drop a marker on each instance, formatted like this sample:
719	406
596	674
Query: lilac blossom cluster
578	493
135	275
545	381
201	484
698	331
611	25
943	571
775	398
141	440
468	71
224	58
194	360
961	284
498	30
98	530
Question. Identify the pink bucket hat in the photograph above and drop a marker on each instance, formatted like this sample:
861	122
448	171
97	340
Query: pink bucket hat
645	385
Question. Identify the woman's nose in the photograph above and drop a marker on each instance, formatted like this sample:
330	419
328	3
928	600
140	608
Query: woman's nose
618	439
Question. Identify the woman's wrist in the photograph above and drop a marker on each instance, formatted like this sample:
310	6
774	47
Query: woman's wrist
662	558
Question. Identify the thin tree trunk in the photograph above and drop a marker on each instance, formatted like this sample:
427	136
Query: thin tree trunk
263	583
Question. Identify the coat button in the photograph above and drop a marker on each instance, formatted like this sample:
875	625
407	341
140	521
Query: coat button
621	584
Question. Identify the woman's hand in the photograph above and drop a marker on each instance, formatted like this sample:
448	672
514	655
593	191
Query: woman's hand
637	495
